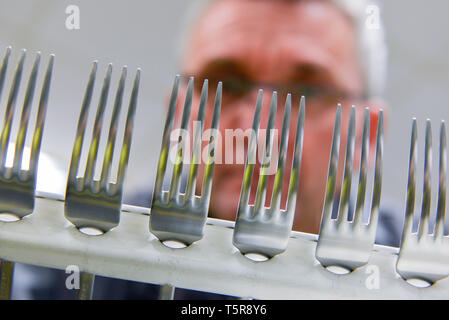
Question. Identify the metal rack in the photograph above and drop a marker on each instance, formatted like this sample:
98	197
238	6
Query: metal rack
213	264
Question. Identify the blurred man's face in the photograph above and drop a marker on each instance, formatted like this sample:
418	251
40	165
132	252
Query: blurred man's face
303	47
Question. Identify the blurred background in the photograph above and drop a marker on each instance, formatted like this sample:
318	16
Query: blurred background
146	34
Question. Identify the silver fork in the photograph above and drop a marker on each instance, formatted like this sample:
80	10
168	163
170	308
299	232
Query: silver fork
174	215
259	229
341	242
17	185
424	254
90	203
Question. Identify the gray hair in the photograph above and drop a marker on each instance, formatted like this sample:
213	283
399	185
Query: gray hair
365	15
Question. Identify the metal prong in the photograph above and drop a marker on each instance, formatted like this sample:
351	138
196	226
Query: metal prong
251	156
278	180
364	156
332	173
427	187
162	162
177	168
411	185
86	286
107	162
441	207
377	190
196	152
6	276
209	170
81	128
266	161
40	119
93	149
4	68
296	167
21	134
343	211
10	107
126	145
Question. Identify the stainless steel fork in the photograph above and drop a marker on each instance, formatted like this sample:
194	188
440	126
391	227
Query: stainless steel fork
174	215
18	185
424	254
341	242
259	229
91	203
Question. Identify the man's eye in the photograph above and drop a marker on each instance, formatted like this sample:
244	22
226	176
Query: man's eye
235	86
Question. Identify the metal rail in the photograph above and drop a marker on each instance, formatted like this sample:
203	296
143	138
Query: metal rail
212	264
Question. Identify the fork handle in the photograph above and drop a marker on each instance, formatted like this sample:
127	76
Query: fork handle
6	275
86	286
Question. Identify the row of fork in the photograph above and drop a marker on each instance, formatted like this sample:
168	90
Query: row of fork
182	216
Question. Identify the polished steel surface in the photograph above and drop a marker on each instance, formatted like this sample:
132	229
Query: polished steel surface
259	229
343	242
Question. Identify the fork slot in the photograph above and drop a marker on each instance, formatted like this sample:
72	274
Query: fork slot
209	169
364	155
332	172
377	188
107	161
93	149
196	152
10	107
251	156
181	148
343	211
266	161
21	135
441	206
411	184
4	68
427	187
162	162
276	196
296	167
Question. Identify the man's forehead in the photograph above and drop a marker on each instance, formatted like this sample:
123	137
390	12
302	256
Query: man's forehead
228	26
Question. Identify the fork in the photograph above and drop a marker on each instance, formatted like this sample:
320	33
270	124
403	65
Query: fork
174	215
424	254
341	242
91	203
17	185
259	229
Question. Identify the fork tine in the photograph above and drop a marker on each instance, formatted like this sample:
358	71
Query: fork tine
296	167
276	196
343	211
81	128
21	134
10	107
162	162
332	173
177	168
107	162
358	215
196	152
126	146
209	170
93	150
427	188
3	68
377	176
411	185
441	207
251	155
263	177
